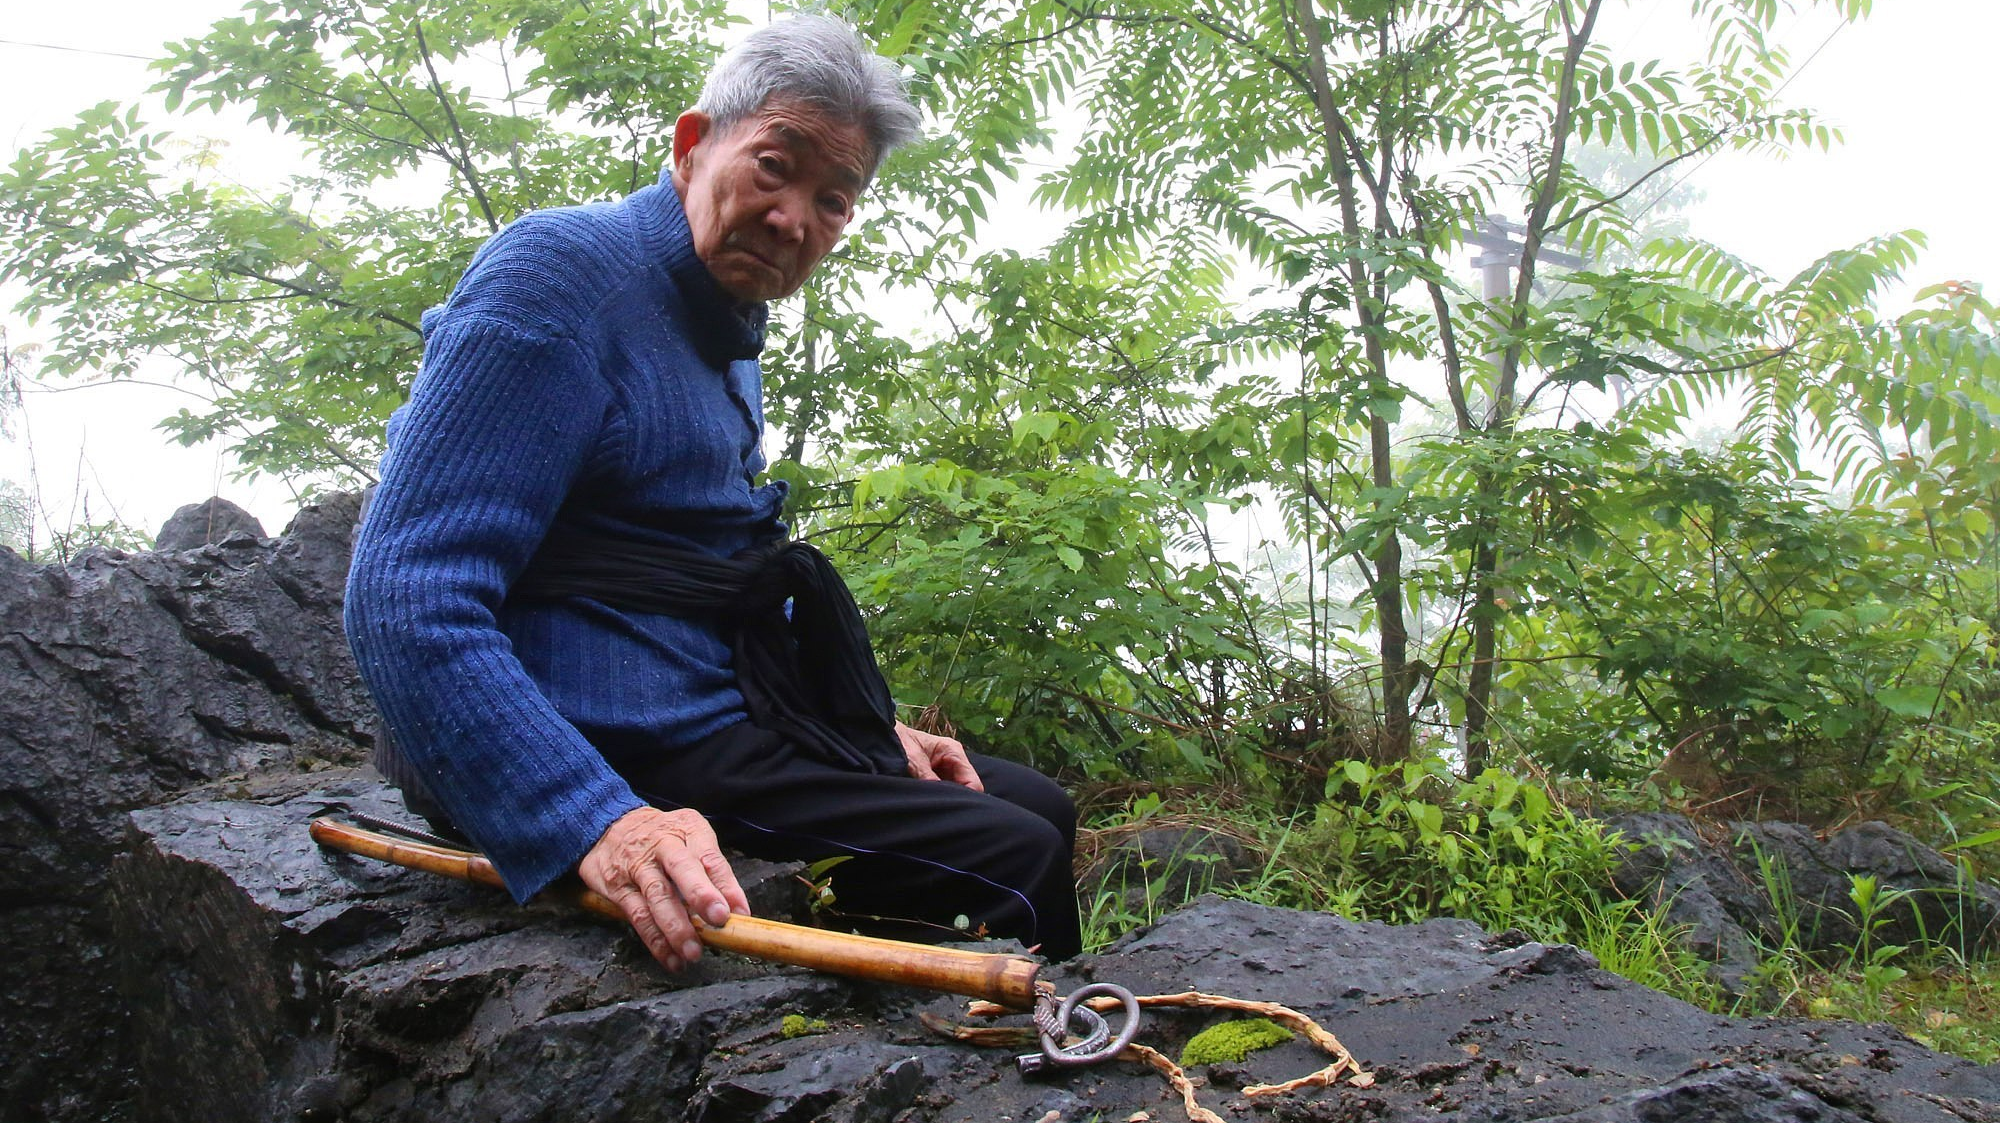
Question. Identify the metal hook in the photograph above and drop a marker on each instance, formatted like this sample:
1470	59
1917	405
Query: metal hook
1096	1044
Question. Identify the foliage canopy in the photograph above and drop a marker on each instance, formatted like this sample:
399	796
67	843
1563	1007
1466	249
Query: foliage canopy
1488	528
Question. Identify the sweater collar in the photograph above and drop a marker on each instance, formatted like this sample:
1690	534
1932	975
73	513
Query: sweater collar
724	328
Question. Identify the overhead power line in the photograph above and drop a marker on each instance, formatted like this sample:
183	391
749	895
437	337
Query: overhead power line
517	99
76	50
1717	150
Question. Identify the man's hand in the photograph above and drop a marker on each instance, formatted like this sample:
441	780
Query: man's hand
660	867
937	758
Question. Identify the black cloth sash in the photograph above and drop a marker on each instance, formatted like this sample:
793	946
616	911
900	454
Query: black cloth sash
811	678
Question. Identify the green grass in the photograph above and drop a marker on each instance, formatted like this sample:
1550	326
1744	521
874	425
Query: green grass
1945	1003
1404	845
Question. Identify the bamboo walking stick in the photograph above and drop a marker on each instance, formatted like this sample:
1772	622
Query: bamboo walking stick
1009	980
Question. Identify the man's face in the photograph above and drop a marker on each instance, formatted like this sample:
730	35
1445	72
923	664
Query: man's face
769	196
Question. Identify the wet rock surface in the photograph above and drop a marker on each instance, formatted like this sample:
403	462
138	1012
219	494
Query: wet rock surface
123	680
271	980
1736	888
284	983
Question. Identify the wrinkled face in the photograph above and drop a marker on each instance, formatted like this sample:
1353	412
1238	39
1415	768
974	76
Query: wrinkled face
767	197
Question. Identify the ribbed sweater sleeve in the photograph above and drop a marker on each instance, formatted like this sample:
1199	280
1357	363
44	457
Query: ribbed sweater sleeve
498	427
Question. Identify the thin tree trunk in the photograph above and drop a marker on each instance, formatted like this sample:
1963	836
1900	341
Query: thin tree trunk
1387	590
1479	678
1486	557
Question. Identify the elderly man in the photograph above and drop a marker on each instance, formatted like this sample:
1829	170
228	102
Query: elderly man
574	603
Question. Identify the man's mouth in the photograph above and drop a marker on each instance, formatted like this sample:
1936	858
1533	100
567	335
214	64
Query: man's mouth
766	260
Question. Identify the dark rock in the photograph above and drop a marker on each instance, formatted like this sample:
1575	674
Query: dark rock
1723	916
288	984
801	1081
123	680
1934	901
201	524
1150	872
178	950
1742	888
1731	1095
292	983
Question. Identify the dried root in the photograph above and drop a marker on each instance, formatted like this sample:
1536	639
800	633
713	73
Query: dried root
1175	1077
1324	1078
1344	1065
999	1037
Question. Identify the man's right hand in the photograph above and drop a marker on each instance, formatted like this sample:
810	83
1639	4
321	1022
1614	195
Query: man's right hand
660	867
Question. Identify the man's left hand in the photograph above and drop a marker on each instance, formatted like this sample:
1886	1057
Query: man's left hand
937	758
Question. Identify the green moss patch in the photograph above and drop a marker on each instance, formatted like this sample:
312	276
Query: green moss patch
798	1025
1232	1041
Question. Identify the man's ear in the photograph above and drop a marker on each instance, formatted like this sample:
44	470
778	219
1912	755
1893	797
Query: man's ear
689	131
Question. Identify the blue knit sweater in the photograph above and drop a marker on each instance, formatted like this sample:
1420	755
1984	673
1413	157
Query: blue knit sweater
587	366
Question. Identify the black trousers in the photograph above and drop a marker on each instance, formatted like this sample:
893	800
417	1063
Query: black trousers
921	850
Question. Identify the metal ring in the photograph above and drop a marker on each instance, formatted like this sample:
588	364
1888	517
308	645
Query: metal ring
1097	1031
1097	1044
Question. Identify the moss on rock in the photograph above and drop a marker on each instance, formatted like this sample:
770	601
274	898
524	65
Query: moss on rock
798	1025
1232	1041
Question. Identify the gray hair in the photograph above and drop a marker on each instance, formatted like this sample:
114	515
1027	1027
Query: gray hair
822	62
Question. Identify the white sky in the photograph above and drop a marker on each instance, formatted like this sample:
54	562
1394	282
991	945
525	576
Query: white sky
1911	88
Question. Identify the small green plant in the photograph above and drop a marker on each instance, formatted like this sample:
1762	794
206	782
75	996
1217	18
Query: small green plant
1408	843
1930	990
65	545
820	897
1232	1041
1105	918
1629	939
1162	884
1111	912
1870	957
1942	1001
1403	843
1785	972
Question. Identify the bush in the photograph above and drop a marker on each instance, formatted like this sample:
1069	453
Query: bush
1403	843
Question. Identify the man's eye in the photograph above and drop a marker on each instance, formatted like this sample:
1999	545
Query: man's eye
834	204
771	164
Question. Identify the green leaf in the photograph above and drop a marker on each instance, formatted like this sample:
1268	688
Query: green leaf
1909	701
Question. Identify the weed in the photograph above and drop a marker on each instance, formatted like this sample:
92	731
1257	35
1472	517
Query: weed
1408	842
1162	884
1629	939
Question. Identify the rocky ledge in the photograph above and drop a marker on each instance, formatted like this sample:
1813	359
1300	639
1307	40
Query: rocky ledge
278	982
124	680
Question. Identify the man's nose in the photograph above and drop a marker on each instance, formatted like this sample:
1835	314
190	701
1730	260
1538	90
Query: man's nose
786	218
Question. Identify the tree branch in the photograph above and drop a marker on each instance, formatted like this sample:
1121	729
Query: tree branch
1636	184
464	161
1538	215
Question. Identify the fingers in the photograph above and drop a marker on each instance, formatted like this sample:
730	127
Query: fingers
650	908
938	758
946	759
691	878
724	879
955	766
916	749
669	917
661	867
